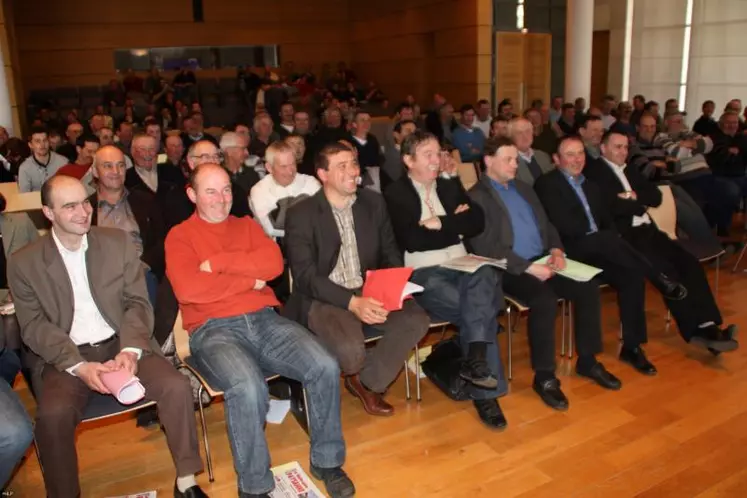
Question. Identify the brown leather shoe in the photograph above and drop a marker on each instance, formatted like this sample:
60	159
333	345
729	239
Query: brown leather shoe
373	403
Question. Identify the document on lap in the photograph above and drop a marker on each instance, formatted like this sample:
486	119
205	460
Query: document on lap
390	286
470	263
574	270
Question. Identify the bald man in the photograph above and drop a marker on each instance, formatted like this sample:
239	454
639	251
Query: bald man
75	338
219	265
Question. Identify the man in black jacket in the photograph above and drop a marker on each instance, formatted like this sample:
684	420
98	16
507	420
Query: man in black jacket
430	215
517	228
575	207
628	195
332	240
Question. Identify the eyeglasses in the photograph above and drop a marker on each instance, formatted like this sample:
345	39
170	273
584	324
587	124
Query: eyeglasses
208	158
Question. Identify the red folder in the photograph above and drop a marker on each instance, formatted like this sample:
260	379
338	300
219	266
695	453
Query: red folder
387	286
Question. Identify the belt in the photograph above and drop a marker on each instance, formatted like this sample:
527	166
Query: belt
98	344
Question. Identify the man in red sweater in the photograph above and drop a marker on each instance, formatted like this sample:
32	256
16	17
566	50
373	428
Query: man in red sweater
218	266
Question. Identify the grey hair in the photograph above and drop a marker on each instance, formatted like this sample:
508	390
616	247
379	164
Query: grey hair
231	139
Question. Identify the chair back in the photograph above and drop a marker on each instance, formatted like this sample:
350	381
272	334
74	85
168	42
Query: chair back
467	174
181	339
665	215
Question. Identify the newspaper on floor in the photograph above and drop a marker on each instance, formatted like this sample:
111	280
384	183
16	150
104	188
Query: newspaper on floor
292	482
472	262
144	494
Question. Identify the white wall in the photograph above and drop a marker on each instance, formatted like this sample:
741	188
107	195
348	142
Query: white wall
718	54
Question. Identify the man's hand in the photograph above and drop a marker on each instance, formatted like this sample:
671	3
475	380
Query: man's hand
557	260
126	360
89	372
433	223
542	272
368	310
658	164
259	284
628	195
205	266
734	150
461	208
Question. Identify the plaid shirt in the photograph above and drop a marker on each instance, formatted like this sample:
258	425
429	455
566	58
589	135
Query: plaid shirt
347	271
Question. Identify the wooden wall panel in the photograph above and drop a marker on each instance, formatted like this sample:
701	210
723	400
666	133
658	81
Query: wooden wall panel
11	122
71	43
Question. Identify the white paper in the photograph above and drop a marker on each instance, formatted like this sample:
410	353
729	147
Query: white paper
410	289
279	408
292	482
471	263
144	494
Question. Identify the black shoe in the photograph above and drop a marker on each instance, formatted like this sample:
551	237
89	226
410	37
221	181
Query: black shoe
670	289
731	331
490	413
193	492
336	481
478	373
549	391
601	376
714	339
636	358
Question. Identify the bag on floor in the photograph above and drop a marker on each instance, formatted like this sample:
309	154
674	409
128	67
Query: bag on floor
442	368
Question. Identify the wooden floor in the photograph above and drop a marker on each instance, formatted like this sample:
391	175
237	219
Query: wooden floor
680	434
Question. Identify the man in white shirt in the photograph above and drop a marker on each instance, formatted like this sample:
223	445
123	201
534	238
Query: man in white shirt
83	308
283	187
41	164
483	117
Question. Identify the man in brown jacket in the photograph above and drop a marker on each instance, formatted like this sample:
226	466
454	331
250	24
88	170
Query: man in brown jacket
83	307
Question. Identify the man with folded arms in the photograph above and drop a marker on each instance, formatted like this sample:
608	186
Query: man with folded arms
83	308
517	228
430	216
628	195
218	265
576	207
332	240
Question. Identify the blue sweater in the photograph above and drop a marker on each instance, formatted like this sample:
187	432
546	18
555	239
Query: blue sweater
465	140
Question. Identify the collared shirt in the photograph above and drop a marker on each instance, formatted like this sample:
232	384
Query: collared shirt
120	216
149	176
265	195
576	183
288	128
527	239
347	271
430	206
619	171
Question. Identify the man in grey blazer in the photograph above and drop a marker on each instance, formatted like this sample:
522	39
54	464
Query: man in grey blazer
83	307
518	229
532	163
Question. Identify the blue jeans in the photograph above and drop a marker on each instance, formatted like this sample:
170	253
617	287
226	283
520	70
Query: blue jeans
235	354
15	432
470	301
151	281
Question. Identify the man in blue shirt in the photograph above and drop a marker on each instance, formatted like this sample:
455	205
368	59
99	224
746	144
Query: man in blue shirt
468	140
518	229
574	206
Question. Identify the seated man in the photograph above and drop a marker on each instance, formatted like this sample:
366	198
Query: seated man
75	337
430	216
628	195
392	169
133	211
271	198
16	432
147	175
235	153
86	147
43	163
575	206
532	163
332	240
517	228
218	265
468	140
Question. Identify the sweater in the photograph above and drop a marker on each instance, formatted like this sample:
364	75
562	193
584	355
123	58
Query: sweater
468	141
239	253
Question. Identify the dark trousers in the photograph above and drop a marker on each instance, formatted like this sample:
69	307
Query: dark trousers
625	270
342	334
471	302
699	306
62	399
717	196
542	299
